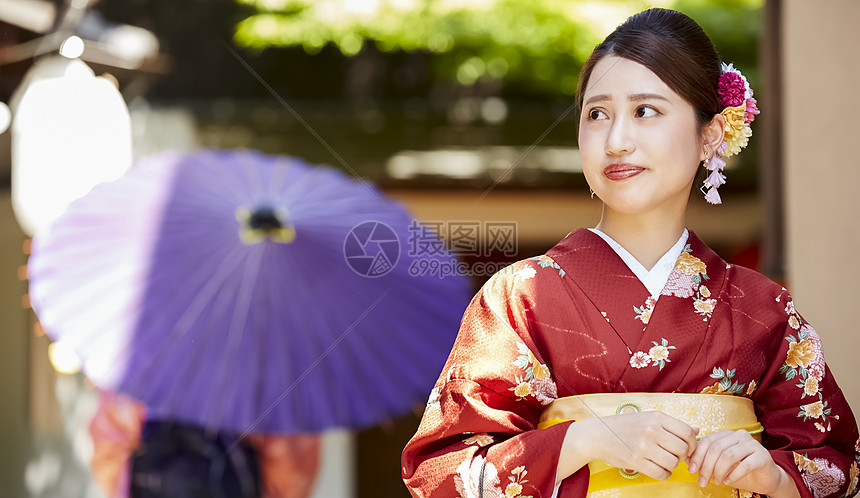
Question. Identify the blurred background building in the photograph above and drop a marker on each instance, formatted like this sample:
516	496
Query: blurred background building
463	110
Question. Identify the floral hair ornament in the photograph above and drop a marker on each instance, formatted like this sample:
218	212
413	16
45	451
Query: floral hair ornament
739	110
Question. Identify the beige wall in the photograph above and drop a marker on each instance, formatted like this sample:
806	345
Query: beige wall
821	135
544	218
14	340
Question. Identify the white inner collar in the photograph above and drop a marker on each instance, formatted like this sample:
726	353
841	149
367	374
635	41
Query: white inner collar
655	279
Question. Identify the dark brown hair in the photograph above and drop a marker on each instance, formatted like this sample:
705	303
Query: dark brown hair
672	46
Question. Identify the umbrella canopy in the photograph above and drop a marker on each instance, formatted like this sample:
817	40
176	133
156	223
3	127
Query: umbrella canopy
242	291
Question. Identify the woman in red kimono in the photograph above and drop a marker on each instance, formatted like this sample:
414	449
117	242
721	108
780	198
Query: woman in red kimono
630	359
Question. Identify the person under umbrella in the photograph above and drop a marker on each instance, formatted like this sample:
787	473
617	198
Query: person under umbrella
270	465
233	292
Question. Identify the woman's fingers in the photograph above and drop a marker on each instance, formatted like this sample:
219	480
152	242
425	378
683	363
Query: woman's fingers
701	451
662	458
720	454
708	453
667	441
670	433
736	459
674	445
746	466
730	458
652	443
654	470
682	431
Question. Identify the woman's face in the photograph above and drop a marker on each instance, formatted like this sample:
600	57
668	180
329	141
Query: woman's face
638	139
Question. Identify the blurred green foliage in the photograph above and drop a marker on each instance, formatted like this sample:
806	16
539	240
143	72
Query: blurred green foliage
536	45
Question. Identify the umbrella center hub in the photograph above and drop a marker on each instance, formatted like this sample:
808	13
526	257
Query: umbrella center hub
264	223
265	219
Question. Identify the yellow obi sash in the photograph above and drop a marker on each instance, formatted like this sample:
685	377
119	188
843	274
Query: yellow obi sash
709	412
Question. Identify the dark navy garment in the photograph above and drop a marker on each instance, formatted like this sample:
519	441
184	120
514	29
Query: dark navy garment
178	460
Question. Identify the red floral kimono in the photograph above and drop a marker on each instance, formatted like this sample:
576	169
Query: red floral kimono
577	321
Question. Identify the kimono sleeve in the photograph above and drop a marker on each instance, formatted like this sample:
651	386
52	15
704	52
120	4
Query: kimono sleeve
809	428
115	431
478	436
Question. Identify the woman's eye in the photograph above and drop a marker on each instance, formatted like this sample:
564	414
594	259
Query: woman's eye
595	114
645	112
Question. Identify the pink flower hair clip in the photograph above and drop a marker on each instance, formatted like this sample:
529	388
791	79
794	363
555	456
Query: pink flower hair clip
739	110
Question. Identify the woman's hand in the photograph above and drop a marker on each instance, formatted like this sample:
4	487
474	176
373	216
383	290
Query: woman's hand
736	459
652	443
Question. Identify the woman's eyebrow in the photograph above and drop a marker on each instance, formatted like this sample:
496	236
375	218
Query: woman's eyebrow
646	96
635	97
598	98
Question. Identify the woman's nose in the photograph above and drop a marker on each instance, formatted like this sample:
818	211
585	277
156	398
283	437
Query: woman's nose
620	139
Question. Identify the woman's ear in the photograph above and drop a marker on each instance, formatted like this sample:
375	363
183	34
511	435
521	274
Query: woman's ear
713	133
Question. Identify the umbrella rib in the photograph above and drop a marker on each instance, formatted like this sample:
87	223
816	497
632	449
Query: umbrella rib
311	367
325	327
184	323
251	173
239	322
282	169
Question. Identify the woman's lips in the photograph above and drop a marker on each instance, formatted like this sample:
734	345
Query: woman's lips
617	172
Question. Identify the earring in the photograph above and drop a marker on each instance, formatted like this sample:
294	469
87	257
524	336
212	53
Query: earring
716	178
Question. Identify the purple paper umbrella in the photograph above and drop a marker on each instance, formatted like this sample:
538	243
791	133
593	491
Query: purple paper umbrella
248	292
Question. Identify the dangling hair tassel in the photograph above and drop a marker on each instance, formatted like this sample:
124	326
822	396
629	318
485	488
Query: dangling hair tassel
715	163
712	196
716	179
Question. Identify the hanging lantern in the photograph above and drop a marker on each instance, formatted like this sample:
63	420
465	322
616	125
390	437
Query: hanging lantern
70	131
5	117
